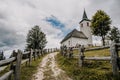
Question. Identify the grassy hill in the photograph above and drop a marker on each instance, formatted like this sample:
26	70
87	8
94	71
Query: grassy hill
92	70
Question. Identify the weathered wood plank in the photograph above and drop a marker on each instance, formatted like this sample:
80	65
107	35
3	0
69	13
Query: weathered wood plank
7	61
25	53
118	49
6	75
99	48
98	58
117	44
18	63
25	60
95	58
114	56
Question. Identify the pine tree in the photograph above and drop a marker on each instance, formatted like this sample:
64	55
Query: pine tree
114	35
36	39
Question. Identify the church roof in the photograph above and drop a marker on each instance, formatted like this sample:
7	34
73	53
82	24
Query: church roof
84	17
74	33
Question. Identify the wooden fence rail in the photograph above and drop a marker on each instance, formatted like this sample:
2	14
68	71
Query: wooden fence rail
16	61
6	75
114	58
7	61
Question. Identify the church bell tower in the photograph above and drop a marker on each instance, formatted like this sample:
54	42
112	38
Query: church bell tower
85	27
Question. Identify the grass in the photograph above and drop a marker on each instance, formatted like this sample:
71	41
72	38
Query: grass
92	70
26	71
100	53
4	71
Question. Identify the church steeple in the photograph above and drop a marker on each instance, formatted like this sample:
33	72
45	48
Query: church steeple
84	15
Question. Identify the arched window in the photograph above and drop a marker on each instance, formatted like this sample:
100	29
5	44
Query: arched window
87	23
81	25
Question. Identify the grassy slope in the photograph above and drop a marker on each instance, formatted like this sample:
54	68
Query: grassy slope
26	71
92	70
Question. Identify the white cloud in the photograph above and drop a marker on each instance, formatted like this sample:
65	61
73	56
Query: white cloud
19	16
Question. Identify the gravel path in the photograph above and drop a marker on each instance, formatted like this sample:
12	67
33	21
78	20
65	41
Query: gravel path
48	69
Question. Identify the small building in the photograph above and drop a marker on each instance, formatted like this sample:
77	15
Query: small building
107	41
82	37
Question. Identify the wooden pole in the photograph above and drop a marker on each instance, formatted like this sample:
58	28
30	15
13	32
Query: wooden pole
11	67
79	58
81	55
18	63
48	50
114	57
30	57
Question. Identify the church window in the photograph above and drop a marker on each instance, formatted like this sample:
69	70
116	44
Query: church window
69	42
81	25
87	24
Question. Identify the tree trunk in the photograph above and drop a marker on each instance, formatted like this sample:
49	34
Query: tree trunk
103	40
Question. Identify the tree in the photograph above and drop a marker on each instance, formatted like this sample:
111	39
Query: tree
36	39
114	35
2	57
100	24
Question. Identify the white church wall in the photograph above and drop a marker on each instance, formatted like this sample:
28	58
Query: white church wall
72	42
80	41
68	42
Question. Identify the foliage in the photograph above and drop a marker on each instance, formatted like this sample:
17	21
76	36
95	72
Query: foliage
36	39
114	35
100	24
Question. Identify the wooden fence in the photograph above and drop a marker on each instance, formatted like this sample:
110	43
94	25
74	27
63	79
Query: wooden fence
114	58
16	61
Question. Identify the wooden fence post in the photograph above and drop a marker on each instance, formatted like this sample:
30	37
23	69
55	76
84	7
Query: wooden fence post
79	58
48	50
18	63
36	51
11	67
114	57
30	57
39	53
51	50
81	55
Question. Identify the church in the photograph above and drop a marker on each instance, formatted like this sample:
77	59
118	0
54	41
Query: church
79	37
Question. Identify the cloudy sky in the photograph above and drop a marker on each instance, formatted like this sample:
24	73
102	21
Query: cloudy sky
55	17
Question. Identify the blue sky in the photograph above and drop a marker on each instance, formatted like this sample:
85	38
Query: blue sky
56	23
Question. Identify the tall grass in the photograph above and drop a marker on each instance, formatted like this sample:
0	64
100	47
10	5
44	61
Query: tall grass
26	71
92	70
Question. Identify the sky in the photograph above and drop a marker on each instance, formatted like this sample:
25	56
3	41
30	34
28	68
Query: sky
56	18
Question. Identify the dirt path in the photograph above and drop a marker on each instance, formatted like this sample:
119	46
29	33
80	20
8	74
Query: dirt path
48	70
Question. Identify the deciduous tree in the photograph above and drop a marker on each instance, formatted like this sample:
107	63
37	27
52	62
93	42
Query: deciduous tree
100	24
